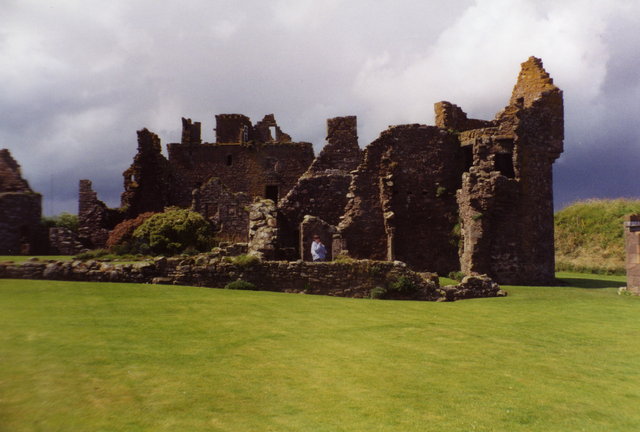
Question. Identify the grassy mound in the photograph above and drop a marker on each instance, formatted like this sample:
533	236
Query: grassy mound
106	357
589	235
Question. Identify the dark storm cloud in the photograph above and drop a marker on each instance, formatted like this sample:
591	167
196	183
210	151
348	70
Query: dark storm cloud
80	77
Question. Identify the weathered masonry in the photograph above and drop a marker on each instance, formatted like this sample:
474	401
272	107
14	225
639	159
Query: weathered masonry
464	194
20	211
632	246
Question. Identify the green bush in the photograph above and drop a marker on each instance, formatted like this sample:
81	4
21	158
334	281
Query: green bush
240	285
456	275
245	260
63	220
173	231
92	254
378	292
403	285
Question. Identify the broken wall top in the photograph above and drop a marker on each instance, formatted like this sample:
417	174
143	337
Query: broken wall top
10	175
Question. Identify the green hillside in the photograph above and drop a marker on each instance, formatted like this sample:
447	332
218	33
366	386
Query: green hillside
589	235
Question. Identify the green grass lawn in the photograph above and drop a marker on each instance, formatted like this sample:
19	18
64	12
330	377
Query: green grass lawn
116	357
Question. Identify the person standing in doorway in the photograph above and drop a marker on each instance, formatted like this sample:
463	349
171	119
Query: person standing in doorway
318	251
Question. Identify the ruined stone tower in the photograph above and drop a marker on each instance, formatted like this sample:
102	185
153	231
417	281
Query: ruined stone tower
506	198
20	211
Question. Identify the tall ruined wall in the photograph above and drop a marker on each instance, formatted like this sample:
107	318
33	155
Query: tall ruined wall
245	158
20	211
148	183
322	189
451	117
95	219
227	211
402	199
506	199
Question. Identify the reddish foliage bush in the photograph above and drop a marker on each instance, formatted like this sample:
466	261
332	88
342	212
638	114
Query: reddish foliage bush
124	230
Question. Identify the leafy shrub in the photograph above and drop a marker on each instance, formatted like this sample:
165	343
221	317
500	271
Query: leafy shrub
375	270
119	240
240	285
403	285
92	254
343	259
172	232
456	275
378	292
63	220
245	260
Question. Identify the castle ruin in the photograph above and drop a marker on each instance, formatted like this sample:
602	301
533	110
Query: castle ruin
464	194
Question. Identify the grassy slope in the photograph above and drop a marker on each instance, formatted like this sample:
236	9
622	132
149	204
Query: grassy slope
106	357
589	235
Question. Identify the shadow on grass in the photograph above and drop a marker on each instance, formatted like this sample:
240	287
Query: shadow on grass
589	283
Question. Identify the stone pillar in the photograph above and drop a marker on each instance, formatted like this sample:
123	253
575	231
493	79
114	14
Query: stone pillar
263	231
632	246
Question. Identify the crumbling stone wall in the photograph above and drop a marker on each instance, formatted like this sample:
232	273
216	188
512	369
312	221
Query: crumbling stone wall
245	158
228	212
263	230
402	199
95	219
20	211
63	241
149	182
632	247
322	189
506	199
354	279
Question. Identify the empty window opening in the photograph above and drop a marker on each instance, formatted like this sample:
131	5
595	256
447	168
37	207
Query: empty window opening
274	133
229	160
503	162
271	192
467	157
245	133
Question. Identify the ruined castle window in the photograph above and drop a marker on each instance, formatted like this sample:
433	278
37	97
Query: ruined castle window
467	157
274	134
271	192
229	160
503	162
245	133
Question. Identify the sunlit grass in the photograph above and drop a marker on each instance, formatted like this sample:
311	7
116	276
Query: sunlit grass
91	356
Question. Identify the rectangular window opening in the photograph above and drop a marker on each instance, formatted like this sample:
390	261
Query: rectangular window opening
271	192
503	163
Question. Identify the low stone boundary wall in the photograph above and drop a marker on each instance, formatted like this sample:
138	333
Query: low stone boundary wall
390	280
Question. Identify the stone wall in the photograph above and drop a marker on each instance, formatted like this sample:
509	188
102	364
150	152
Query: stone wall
322	189
356	279
149	183
263	230
632	247
400	209
506	198
260	165
228	212
95	219
20	211
63	241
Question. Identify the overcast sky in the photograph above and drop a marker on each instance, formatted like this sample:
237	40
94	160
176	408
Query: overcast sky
79	77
